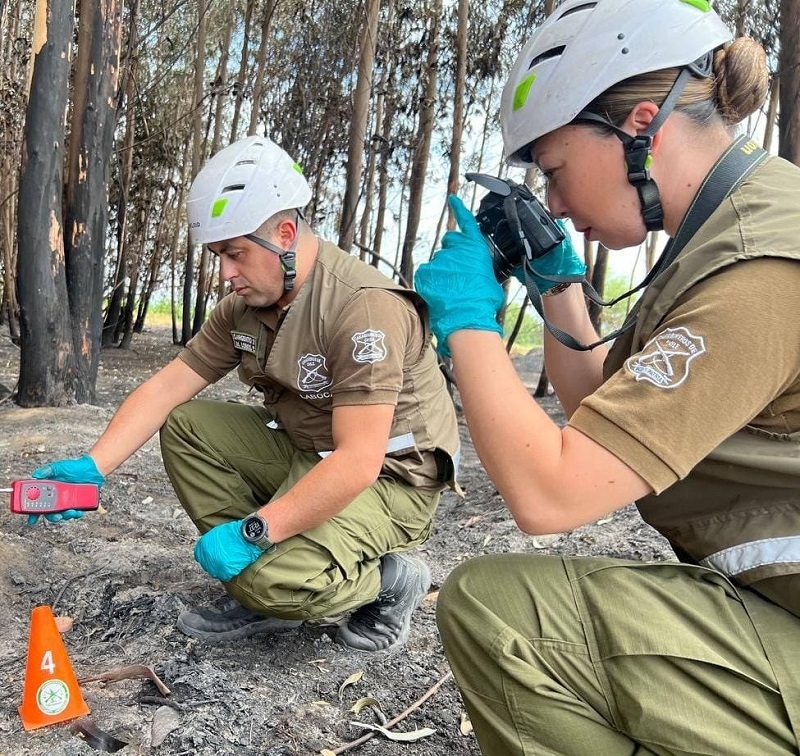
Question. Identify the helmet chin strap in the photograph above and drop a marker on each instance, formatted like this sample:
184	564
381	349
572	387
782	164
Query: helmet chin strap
288	257
638	148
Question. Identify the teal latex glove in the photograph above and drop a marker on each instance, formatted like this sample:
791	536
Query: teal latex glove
559	261
67	514
223	553
80	470
458	284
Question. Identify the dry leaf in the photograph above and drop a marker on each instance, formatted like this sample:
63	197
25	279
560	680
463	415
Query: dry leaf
362	702
354	678
543	541
64	624
403	737
165	720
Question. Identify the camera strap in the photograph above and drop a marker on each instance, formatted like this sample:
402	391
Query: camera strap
735	164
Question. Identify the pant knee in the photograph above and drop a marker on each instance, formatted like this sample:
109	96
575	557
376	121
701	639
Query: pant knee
517	591
177	421
170	431
463	591
451	593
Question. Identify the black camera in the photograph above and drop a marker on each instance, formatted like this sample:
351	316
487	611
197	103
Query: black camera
514	223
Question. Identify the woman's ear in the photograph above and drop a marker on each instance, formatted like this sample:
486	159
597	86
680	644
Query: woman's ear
640	117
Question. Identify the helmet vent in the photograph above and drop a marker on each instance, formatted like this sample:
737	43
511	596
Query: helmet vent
233	188
553	52
577	9
245	162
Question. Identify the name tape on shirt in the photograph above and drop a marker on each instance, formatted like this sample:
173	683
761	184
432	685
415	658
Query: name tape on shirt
244	342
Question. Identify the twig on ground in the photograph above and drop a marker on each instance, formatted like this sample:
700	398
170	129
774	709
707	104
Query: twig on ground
71	580
159	701
399	718
178	706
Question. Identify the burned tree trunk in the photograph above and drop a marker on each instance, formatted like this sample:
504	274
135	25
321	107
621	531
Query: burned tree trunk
86	212
47	359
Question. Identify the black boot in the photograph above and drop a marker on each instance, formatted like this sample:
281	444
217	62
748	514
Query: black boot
386	622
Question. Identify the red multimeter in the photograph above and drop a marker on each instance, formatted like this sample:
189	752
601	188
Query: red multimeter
41	497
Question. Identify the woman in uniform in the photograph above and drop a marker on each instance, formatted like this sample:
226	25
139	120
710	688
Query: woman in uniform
629	109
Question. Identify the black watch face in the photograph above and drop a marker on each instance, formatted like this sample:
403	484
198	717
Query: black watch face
253	528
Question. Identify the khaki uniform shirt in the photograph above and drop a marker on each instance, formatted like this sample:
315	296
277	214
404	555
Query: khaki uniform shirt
702	397
350	337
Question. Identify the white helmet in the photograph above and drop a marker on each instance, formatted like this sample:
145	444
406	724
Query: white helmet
584	48
240	187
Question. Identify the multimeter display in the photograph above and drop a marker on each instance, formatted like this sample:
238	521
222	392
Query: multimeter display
48	496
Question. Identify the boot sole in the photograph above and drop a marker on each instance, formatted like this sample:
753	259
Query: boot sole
253	628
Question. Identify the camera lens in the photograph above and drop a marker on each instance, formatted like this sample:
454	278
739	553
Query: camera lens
506	252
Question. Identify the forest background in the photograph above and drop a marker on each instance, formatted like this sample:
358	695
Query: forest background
108	110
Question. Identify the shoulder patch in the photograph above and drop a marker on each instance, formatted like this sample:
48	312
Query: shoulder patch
664	360
369	346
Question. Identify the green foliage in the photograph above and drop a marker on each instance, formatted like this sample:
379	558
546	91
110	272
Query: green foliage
531	334
614	316
159	312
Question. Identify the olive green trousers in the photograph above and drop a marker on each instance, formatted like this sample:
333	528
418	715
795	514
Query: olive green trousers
607	657
224	463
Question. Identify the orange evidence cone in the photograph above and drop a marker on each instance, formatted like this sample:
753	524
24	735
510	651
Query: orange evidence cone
51	693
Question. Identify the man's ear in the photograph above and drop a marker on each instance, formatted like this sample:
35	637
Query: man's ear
287	232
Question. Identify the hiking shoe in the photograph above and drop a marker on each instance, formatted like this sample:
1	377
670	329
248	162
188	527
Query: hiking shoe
228	620
386	622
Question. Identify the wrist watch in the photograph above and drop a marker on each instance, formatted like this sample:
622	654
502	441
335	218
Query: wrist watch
255	530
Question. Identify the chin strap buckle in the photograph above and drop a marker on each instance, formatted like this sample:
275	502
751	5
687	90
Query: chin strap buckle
638	159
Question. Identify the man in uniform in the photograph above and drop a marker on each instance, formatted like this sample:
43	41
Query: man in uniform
307	503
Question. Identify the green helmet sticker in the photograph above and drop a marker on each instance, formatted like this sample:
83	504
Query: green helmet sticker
702	5
522	90
218	207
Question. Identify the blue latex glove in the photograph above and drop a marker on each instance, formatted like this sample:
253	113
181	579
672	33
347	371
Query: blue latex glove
223	553
458	284
559	261
67	514
80	470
